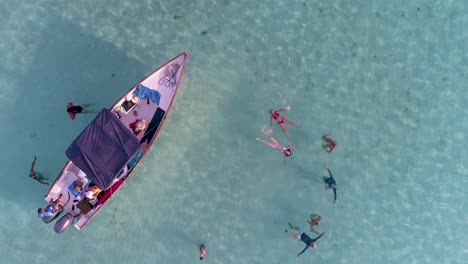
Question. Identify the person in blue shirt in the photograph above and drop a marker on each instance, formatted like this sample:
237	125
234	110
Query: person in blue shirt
331	183
303	237
50	209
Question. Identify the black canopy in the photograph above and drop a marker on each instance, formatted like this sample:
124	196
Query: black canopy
103	149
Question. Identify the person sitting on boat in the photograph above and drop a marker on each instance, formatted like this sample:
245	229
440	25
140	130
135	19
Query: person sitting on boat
93	192
126	105
72	110
138	125
50	209
78	186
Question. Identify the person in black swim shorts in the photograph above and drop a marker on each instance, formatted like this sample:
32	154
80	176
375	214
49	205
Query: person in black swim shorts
72	110
303	237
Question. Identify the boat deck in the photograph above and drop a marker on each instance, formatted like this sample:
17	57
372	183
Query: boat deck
165	80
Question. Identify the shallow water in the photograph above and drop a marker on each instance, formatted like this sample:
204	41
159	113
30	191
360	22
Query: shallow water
388	79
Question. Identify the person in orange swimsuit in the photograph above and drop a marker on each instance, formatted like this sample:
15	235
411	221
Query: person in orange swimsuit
280	120
330	143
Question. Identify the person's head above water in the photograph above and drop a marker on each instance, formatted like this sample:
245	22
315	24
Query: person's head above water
287	152
333	185
312	245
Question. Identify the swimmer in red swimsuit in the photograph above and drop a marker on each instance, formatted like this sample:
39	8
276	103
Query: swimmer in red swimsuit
330	143
280	120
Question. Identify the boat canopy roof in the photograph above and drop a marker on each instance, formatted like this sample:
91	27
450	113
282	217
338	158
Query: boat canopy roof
103	149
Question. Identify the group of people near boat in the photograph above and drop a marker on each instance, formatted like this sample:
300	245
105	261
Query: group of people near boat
92	191
139	125
328	145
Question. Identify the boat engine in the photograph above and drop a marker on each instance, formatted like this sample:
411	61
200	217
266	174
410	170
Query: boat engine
64	223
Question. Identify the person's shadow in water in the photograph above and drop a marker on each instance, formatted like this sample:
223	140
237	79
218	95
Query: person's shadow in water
69	65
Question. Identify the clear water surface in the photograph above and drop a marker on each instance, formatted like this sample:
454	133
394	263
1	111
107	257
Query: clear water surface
387	78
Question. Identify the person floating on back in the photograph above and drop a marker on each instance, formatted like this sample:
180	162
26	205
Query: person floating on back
280	120
331	183
303	237
314	221
202	252
72	110
37	175
329	144
286	151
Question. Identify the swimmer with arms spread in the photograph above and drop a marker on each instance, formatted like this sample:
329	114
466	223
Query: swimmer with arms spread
280	120
331	183
303	237
286	151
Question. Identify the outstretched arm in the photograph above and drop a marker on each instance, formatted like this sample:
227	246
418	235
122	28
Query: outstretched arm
298	254
271	122
317	238
329	172
282	110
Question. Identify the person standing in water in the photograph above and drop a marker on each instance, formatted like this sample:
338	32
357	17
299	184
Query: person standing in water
285	151
314	221
330	143
331	183
72	110
303	237
274	114
37	175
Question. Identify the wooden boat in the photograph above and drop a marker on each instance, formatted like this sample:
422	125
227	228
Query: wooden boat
109	149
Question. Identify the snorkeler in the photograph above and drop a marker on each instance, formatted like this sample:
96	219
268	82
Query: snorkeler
286	151
330	143
280	120
314	221
331	183
303	237
72	110
37	175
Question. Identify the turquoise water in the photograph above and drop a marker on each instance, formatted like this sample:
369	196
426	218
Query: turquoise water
387	78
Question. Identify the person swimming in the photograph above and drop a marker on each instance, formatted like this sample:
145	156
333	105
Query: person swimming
303	237
286	151
37	175
274	115
314	221
331	183
202	251
330	143
72	110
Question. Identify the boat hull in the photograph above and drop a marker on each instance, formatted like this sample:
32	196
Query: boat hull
159	90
